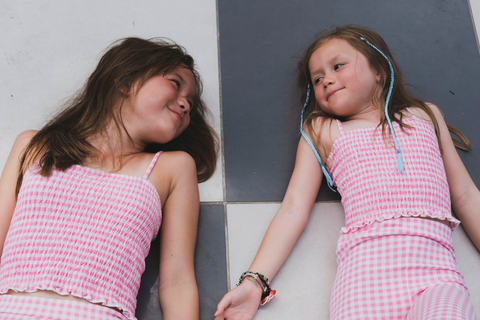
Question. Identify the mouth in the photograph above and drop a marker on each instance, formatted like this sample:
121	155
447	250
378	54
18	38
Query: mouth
332	93
177	115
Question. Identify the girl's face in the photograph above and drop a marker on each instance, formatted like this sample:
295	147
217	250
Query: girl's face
342	79
160	110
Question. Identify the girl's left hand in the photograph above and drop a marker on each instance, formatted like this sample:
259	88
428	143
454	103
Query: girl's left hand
240	303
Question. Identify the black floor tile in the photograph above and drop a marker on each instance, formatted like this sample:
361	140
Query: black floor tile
260	45
210	267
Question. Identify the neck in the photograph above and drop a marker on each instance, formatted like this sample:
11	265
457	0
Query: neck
114	148
368	114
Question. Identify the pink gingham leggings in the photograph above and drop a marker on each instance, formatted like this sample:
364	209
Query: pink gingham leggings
24	307
401	268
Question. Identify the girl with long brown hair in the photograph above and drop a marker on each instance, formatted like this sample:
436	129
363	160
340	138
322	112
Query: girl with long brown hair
83	197
392	159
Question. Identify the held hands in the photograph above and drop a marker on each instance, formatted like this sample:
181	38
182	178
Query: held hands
240	303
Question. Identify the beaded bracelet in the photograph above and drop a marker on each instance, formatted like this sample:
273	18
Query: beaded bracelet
268	293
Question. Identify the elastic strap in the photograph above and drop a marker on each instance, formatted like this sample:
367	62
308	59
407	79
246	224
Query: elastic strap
152	164
340	127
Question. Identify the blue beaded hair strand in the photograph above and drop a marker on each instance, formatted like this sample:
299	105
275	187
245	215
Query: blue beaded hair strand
397	148
325	172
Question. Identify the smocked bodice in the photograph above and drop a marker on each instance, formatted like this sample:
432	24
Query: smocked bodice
364	169
82	232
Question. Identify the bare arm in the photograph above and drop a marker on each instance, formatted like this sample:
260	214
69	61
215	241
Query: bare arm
177	288
242	302
8	183
465	195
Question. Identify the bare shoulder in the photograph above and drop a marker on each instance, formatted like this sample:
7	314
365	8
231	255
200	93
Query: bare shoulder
327	130
22	141
177	160
173	168
420	113
25	137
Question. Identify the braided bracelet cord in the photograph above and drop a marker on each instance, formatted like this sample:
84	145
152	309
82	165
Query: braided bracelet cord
268	293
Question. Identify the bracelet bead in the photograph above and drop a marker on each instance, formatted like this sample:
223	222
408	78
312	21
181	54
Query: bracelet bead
267	292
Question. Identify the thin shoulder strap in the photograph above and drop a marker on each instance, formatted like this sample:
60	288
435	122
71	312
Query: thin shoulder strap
340	126
411	113
152	164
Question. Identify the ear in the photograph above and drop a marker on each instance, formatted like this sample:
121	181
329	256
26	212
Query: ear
378	77
123	90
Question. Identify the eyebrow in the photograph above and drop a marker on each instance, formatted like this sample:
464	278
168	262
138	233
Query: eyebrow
182	81
329	61
178	75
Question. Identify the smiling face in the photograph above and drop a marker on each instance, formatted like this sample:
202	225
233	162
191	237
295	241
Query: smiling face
160	110
342	78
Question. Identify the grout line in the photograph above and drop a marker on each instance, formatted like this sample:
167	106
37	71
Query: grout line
222	151
276	202
474	25
211	202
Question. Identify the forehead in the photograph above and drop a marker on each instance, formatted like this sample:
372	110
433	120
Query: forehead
185	73
329	50
186	77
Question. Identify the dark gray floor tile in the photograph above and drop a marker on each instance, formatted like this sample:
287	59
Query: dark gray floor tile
261	41
210	267
210	259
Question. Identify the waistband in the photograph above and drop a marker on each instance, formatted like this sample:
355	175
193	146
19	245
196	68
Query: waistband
414	227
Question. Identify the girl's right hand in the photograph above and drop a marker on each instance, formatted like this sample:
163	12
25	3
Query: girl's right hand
240	303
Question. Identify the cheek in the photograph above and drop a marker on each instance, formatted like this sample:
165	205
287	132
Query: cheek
318	95
320	99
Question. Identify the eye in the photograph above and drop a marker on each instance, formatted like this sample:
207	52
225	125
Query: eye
317	80
338	66
177	83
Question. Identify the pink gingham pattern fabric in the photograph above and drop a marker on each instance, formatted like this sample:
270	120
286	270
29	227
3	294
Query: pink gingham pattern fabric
443	302
384	268
31	308
83	232
365	172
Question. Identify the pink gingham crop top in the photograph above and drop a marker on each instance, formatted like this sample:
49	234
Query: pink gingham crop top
365	172
83	232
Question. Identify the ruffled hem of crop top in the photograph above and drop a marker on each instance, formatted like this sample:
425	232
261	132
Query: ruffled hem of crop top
364	170
453	223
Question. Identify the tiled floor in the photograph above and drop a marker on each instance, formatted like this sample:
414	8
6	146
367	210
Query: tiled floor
303	291
246	52
260	44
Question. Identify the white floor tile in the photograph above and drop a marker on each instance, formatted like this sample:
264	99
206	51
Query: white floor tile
50	48
305	280
475	7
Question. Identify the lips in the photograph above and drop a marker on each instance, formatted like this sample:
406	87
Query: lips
177	115
332	93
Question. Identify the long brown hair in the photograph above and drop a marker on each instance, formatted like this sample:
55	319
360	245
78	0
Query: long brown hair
128	62
400	99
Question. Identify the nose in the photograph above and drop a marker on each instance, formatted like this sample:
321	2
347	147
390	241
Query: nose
184	104
328	80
